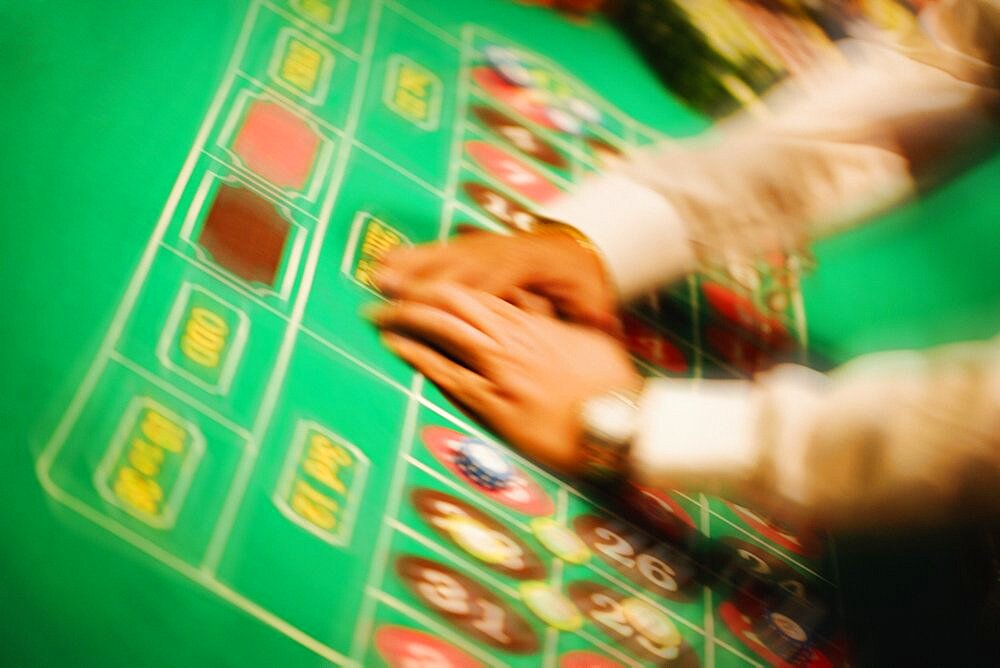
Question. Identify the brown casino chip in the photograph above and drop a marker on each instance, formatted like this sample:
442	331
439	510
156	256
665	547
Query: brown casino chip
477	534
657	567
467	605
524	140
608	610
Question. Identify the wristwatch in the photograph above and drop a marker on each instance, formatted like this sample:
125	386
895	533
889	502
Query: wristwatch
610	423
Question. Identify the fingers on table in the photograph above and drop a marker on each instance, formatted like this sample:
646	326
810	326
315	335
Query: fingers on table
531	302
482	310
403	266
463	384
439	328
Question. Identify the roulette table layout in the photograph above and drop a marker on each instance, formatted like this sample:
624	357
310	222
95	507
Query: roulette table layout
214	461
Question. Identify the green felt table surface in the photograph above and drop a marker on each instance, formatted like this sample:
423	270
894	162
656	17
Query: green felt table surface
103	109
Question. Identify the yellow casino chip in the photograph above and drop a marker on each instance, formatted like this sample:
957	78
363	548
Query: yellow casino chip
551	606
479	540
651	622
560	540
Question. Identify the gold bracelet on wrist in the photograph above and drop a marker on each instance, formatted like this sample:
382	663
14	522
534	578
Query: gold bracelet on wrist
570	231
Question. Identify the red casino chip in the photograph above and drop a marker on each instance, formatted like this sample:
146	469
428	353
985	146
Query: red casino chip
521	493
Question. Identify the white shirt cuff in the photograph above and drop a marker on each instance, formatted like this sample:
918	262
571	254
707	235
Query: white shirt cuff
701	437
638	232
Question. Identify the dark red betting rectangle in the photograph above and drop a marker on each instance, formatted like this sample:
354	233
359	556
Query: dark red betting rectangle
245	234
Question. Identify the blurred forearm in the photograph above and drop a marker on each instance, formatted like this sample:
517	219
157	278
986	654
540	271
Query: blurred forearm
895	438
822	162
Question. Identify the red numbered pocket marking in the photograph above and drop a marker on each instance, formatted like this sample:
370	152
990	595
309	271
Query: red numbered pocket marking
406	648
468	605
512	172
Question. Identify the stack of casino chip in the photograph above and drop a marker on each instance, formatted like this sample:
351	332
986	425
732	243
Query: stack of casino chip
788	627
713	58
484	464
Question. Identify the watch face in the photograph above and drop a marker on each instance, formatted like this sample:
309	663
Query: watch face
610	418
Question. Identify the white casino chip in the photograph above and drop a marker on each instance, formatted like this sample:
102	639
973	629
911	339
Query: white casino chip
484	463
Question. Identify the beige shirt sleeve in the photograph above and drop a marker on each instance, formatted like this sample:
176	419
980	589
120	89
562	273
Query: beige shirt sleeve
896	438
820	163
904	437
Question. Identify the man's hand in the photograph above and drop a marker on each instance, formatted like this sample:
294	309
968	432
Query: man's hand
552	265
523	374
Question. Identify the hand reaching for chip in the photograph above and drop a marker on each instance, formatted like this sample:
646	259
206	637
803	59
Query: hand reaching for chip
523	374
549	264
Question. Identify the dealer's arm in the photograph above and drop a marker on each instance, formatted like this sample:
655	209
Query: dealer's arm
904	437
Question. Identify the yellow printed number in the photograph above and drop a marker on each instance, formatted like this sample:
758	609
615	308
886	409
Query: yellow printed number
301	66
411	92
317	10
204	337
163	432
140	492
135	481
145	458
324	461
314	506
379	240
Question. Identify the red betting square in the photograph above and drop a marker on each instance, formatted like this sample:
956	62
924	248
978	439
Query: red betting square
277	144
